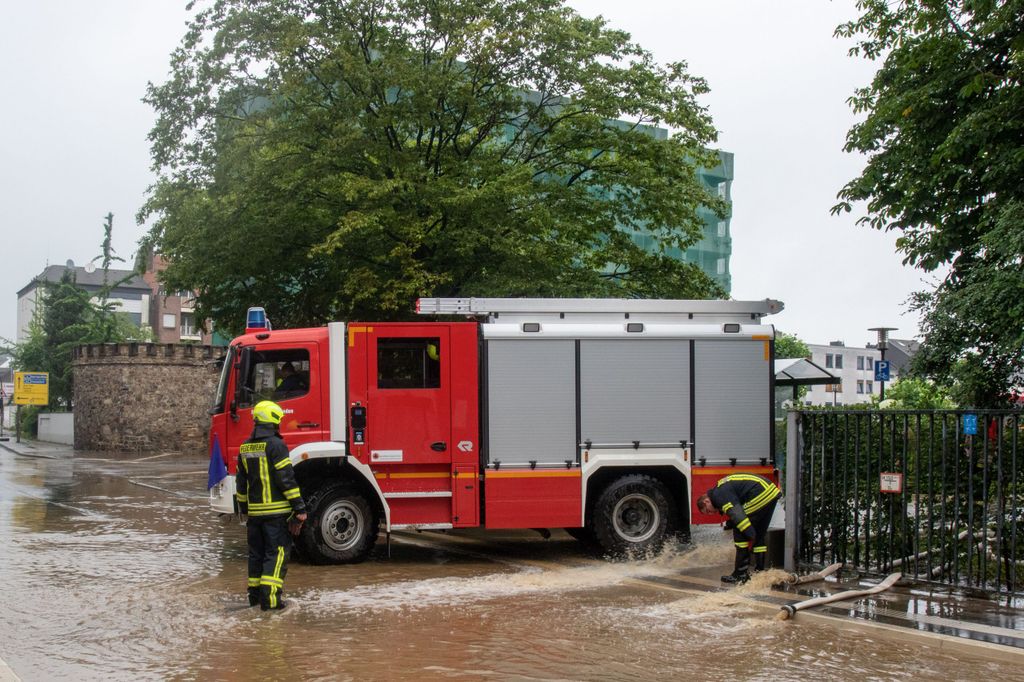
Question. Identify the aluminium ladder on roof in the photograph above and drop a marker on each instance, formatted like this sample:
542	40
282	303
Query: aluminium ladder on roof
492	306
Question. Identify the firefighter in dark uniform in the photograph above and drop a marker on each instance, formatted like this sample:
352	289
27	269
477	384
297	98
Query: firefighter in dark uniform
266	490
749	501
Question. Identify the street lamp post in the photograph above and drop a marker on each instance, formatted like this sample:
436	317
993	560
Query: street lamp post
883	343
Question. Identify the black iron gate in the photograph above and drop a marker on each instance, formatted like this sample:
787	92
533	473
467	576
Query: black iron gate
936	495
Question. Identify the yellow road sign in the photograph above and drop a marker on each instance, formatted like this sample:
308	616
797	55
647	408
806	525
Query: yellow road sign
31	388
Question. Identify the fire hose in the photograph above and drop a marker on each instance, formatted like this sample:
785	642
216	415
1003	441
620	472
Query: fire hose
789	610
794	579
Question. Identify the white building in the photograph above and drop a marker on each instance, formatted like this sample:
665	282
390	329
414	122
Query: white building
855	367
131	297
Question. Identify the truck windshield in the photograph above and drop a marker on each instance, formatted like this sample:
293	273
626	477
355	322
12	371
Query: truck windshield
222	385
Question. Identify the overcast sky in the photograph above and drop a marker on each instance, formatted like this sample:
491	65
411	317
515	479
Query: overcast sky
75	143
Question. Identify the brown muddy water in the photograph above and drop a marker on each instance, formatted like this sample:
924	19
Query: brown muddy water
114	569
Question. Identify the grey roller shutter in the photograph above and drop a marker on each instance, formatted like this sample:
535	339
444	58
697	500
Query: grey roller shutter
531	401
635	390
732	401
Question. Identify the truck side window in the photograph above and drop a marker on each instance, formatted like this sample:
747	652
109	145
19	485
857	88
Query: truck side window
409	362
277	375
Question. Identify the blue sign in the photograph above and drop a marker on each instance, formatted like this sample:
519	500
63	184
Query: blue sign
970	425
881	370
38	379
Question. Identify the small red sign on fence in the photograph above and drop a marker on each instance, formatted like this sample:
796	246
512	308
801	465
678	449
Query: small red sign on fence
890	482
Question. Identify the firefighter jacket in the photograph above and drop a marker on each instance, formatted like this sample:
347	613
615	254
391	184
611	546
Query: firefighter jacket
740	496
264	479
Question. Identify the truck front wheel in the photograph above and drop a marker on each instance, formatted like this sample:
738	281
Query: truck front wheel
631	516
342	526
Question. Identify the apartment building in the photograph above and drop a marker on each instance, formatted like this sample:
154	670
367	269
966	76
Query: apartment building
856	369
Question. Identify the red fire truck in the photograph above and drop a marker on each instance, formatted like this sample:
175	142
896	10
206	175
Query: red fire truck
605	417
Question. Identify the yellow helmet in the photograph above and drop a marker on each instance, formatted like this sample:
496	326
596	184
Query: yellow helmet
267	412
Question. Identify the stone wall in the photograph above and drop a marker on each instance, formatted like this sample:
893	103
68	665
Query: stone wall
144	396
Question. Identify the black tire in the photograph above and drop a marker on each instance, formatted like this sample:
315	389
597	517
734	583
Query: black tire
342	526
631	516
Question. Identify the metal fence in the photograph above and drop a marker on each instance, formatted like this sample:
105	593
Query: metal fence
933	494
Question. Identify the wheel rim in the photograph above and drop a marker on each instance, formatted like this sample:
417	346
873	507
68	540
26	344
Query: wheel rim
342	525
636	518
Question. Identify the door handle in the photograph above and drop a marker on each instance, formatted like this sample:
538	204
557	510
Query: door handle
439	446
307	425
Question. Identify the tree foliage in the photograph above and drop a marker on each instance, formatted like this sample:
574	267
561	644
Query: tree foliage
67	316
915	393
944	135
790	346
337	160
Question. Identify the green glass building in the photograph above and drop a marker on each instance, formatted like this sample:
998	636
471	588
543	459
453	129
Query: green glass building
712	252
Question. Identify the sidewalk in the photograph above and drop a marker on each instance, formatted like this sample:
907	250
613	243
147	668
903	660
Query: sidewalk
941	618
35	448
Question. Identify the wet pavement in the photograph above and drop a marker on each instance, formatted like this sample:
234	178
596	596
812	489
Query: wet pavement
114	568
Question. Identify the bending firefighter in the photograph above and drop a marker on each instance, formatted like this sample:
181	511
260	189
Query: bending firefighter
266	490
749	502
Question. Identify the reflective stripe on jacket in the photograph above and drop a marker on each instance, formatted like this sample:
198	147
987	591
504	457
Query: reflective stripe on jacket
265	482
739	496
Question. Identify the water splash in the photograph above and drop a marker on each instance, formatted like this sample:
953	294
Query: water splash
523	579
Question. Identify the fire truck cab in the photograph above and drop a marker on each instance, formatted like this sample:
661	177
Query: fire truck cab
605	417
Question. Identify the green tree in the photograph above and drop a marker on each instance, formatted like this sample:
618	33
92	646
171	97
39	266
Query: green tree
790	346
337	160
915	393
67	316
64	318
944	136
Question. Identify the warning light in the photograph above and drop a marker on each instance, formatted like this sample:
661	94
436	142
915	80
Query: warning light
256	320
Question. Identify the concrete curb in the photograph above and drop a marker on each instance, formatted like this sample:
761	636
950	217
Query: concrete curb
27	451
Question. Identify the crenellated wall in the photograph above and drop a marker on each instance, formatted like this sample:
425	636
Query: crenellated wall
144	396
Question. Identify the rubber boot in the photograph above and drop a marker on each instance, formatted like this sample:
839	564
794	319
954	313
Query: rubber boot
759	560
736	578
265	599
254	596
741	569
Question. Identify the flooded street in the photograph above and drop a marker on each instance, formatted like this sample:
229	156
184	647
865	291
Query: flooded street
113	568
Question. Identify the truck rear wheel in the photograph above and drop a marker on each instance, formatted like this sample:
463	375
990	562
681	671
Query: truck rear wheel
631	516
342	526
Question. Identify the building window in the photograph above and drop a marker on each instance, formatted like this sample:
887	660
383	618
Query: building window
721	229
860	386
720	266
828	360
870	385
839	361
860	362
188	325
169	321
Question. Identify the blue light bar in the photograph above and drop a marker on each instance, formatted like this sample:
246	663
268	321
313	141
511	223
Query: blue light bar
256	318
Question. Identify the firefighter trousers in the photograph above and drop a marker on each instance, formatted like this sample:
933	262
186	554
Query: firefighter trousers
759	521
270	544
